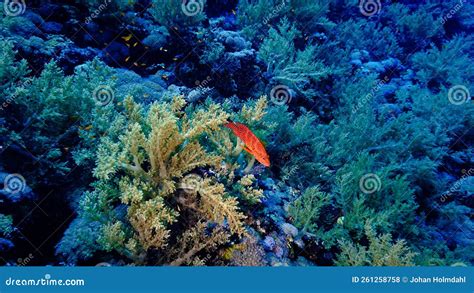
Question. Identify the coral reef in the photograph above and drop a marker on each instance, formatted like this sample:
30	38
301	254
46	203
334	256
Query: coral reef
112	131
380	252
149	171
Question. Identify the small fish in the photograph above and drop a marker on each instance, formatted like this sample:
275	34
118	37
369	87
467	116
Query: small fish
252	144
74	117
127	38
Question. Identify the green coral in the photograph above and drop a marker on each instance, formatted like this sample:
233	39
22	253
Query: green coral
381	251
297	69
6	225
256	15
414	26
446	65
373	37
304	167
177	13
379	142
306	209
252	13
46	112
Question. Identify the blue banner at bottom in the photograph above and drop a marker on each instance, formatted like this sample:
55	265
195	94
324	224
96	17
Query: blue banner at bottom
233	279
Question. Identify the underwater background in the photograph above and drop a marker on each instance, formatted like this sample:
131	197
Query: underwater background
115	147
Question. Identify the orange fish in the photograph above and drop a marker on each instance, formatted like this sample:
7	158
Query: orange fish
252	144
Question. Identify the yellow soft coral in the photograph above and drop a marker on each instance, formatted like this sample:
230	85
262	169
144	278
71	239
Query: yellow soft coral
195	241
255	112
247	190
218	206
153	159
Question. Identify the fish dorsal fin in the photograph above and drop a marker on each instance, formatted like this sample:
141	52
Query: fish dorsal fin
230	124
241	127
248	150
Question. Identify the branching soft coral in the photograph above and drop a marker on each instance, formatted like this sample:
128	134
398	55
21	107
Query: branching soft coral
362	34
299	146
446	65
165	143
380	252
289	66
43	115
177	13
415	28
197	240
306	209
6	225
147	169
11	71
254	15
